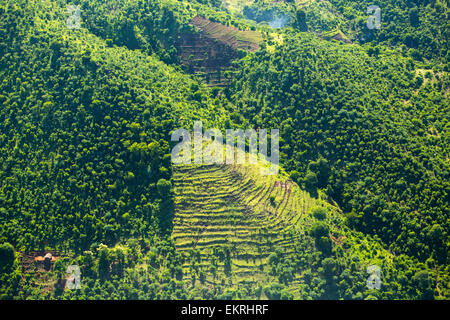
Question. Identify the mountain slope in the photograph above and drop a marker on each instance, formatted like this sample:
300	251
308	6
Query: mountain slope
85	122
365	114
231	207
242	234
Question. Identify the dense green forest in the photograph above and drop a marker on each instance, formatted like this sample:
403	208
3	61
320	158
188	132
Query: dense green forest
87	114
376	135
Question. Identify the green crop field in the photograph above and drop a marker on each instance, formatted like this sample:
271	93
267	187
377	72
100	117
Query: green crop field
228	206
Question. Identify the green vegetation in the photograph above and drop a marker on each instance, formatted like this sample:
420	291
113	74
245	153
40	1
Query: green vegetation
380	134
86	117
234	242
227	226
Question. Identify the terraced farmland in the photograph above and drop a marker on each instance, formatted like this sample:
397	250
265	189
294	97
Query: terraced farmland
239	215
210	51
232	36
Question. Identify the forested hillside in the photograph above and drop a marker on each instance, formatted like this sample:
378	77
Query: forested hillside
379	127
419	27
86	118
85	155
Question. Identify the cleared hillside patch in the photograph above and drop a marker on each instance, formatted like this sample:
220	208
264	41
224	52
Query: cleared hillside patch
229	209
209	51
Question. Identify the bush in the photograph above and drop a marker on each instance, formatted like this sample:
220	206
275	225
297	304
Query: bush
319	229
272	200
319	213
6	257
273	291
164	187
311	181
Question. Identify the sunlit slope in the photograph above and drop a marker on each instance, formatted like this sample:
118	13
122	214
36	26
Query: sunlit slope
238	208
238	229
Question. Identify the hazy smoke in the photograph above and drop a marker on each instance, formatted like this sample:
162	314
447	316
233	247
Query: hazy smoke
272	17
279	21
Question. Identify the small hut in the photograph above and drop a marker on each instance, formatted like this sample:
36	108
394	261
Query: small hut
48	261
